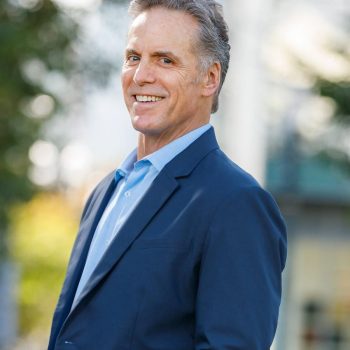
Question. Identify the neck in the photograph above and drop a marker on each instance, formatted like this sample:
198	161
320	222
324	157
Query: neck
150	143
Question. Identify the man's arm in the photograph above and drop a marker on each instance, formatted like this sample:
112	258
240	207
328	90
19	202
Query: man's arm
240	278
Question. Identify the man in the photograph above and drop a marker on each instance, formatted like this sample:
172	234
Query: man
179	249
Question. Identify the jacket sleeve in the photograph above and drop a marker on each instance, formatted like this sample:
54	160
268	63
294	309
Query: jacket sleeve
239	288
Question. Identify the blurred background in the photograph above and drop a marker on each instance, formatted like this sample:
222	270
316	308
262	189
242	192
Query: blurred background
284	116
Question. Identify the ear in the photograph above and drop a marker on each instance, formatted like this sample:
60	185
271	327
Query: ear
211	80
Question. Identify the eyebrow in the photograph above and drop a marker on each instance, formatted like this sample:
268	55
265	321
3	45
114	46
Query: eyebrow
131	52
166	53
154	54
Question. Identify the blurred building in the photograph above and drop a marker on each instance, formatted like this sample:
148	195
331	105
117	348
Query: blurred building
268	108
315	199
8	307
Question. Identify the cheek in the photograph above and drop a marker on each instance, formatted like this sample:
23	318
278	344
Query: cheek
123	83
126	79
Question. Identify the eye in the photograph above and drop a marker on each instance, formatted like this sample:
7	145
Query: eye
166	60
132	58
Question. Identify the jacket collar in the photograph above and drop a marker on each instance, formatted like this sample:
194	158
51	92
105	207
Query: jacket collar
183	164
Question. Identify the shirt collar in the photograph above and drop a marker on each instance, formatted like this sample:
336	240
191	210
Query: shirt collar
163	156
129	164
126	166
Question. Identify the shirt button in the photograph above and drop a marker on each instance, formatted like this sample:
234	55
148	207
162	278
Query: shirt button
127	194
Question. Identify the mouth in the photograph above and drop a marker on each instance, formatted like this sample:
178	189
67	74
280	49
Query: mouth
147	98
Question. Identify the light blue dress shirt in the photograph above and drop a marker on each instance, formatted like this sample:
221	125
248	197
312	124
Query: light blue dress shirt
134	178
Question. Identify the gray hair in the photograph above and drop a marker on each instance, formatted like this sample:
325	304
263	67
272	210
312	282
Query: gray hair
213	40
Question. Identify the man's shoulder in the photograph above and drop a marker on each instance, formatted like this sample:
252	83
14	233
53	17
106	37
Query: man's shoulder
224	170
219	179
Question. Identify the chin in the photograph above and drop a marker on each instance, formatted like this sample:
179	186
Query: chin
142	128
143	125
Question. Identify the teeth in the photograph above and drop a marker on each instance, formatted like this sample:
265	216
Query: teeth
141	98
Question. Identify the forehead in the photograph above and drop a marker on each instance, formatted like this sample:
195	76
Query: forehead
164	28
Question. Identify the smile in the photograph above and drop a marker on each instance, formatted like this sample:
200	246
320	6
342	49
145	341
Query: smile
144	98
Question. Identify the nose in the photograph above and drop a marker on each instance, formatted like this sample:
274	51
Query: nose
144	74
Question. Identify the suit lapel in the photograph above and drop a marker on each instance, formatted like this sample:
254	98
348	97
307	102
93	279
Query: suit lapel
87	228
160	191
132	228
91	217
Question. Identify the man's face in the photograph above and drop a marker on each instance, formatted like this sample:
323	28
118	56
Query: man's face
161	82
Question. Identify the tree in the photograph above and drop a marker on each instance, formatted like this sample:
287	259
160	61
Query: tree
35	38
39	42
339	93
333	144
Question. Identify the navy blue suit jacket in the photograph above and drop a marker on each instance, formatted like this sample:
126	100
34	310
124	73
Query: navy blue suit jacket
196	266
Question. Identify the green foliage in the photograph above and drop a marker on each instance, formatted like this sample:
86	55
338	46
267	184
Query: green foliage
41	33
42	234
339	92
37	38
